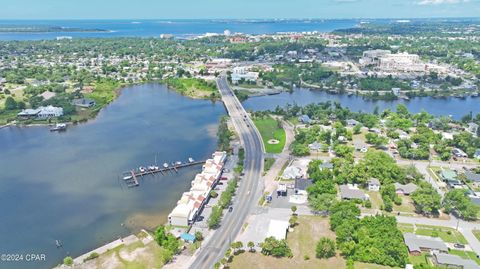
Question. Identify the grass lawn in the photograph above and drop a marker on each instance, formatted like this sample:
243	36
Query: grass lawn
449	235
465	254
416	260
134	256
302	241
193	87
269	129
477	234
376	199
406	206
361	265
268	164
405	227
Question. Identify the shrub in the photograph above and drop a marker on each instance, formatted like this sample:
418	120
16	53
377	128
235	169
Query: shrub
325	248
68	261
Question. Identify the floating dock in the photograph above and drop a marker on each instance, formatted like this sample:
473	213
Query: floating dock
132	177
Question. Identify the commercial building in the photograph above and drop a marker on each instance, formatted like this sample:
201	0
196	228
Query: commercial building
278	229
241	73
193	201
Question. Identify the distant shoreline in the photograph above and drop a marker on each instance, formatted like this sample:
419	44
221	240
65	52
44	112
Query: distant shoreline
46	29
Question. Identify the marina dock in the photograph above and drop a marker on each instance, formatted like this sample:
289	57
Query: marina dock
132	177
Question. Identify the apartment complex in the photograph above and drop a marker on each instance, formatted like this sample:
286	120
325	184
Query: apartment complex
192	202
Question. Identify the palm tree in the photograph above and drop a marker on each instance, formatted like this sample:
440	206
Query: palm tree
251	245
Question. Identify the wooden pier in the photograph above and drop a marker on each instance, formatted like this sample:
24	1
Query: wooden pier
132	177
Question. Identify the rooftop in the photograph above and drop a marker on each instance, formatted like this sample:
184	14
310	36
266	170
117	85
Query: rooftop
416	243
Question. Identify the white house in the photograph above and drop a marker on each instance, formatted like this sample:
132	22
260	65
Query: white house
373	184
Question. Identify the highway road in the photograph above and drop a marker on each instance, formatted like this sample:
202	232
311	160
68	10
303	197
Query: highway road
245	198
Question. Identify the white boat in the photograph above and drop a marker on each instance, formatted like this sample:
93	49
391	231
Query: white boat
191	160
165	165
142	169
59	127
178	163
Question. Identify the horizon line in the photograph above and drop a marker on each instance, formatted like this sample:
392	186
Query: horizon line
238	19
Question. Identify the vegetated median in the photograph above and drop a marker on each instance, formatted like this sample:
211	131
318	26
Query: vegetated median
271	131
194	88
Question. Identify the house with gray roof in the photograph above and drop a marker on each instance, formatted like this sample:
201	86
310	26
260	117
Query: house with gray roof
373	184
476	155
315	146
351	192
352	122
326	165
405	189
471	176
455	261
416	244
305	119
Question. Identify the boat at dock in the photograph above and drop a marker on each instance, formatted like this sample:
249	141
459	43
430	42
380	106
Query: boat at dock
132	177
59	127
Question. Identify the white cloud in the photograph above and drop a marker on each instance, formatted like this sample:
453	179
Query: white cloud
439	2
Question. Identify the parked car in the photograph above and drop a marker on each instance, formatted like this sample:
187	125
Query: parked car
230	209
459	245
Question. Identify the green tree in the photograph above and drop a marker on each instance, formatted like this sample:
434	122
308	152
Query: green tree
68	261
426	199
251	246
10	103
276	248
458	201
166	239
325	248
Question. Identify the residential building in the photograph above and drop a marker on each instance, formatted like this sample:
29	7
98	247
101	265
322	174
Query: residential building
47	95
448	175
43	112
471	176
417	244
305	119
315	146
352	122
476	155
454	261
405	189
292	172
373	184
351	192
472	128
326	165
193	201
83	102
301	185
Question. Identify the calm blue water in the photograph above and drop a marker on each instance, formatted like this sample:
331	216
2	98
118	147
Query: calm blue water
65	186
180	28
450	106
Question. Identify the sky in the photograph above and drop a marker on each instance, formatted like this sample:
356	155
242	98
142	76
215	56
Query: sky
235	9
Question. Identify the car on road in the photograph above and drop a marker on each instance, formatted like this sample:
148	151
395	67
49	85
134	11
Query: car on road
230	209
